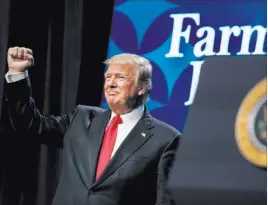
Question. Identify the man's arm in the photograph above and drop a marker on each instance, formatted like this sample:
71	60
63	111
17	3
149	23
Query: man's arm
164	168
23	114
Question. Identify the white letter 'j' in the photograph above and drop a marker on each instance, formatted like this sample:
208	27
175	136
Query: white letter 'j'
195	80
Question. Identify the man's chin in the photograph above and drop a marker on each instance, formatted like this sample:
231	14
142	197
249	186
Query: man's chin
114	103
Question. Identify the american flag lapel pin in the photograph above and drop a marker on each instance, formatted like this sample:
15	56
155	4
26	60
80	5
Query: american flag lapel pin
143	134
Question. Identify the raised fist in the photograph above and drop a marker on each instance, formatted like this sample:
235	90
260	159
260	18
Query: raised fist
19	59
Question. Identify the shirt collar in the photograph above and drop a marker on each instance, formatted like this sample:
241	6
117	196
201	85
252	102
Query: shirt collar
131	116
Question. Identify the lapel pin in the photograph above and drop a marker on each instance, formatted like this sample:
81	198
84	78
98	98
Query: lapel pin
143	134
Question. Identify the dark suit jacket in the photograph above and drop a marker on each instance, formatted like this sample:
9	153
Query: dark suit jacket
136	175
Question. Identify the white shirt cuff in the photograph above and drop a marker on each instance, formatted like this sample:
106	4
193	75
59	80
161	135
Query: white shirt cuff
13	77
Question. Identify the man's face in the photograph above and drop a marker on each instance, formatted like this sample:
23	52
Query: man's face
120	85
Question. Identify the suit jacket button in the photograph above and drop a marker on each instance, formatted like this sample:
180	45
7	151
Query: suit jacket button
91	192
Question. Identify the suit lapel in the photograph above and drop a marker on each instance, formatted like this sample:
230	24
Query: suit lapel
96	133
136	138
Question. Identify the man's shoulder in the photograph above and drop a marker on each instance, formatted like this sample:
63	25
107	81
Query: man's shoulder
86	109
90	108
165	127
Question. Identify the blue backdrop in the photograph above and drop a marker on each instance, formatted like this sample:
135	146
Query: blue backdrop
176	36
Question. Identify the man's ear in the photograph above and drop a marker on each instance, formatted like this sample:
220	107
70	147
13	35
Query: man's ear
141	91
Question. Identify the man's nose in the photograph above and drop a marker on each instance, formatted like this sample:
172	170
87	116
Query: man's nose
112	82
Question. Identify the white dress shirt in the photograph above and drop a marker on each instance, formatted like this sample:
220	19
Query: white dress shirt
129	119
13	77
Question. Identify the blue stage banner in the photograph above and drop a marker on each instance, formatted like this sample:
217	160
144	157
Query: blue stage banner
176	36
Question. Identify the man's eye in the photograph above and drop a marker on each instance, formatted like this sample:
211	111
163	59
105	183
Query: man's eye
121	77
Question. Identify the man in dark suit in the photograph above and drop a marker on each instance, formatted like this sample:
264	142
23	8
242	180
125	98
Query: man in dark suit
119	156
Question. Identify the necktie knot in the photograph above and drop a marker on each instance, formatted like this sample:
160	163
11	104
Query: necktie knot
117	120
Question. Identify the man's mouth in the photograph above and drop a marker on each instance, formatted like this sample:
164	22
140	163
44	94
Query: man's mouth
112	93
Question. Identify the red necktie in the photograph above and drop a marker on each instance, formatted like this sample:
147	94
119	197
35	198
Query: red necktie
108	144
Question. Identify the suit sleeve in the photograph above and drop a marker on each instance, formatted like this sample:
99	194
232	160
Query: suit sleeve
25	117
164	168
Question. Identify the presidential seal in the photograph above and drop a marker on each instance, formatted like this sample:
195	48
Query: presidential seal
251	125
